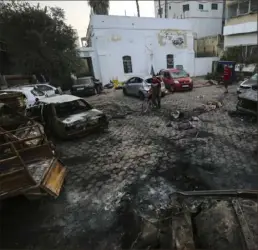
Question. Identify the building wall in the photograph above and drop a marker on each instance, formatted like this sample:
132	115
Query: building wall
203	65
209	46
205	22
241	24
146	40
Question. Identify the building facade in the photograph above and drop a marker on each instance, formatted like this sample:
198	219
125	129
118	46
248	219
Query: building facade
241	24
206	17
123	46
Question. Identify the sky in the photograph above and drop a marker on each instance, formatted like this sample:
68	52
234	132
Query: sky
77	12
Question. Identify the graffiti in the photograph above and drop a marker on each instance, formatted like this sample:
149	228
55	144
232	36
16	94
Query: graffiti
176	38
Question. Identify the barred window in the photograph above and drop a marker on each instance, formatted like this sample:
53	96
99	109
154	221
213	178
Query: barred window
170	61
127	62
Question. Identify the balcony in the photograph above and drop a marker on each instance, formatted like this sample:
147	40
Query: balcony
241	11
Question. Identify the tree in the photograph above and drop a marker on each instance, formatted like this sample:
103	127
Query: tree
99	7
138	8
38	40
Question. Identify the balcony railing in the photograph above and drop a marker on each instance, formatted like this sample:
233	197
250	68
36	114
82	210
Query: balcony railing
242	7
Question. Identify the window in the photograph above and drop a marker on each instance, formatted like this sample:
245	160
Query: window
170	61
253	5
138	80
169	7
232	11
243	7
179	74
127	62
186	7
37	92
71	108
166	74
200	6
214	6
43	88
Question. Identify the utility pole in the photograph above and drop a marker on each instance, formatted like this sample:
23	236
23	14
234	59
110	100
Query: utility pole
160	14
166	8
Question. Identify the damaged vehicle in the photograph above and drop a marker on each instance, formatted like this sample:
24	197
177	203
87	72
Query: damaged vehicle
247	84
247	101
68	116
83	86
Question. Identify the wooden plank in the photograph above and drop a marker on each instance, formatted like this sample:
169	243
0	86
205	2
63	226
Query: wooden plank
54	179
182	234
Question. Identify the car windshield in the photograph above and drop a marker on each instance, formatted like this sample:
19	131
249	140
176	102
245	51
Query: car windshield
179	74
70	108
254	77
85	81
37	92
44	88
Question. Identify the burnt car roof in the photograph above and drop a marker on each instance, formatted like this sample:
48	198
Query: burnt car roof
59	99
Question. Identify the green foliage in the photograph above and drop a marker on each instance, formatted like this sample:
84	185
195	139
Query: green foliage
38	39
241	54
99	7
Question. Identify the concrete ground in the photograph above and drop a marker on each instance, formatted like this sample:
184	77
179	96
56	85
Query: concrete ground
143	158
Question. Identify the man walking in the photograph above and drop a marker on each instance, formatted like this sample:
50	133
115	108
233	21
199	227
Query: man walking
227	77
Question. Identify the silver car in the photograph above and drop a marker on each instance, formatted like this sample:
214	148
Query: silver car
139	86
247	84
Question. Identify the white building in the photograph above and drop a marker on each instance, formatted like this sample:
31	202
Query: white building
122	46
205	16
241	24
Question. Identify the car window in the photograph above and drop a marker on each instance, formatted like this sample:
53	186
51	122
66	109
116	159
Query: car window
85	81
179	74
254	77
131	80
37	92
149	80
138	80
44	88
166	74
71	108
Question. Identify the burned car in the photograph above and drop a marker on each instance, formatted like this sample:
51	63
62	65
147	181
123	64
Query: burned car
68	116
248	101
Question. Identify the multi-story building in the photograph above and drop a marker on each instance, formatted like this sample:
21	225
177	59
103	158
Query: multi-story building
206	16
241	24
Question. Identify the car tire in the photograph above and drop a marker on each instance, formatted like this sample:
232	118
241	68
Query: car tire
125	92
141	95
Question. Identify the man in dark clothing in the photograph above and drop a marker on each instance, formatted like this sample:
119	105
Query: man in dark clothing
156	91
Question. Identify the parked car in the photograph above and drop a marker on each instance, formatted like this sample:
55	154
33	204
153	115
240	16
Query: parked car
31	94
68	116
247	84
176	80
139	86
248	101
83	86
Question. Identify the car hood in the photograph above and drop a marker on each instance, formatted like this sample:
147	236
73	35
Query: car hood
250	95
82	117
248	83
183	79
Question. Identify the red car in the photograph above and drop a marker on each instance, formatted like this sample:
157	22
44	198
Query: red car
176	80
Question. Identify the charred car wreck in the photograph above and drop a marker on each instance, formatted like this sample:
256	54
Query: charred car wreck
68	116
247	101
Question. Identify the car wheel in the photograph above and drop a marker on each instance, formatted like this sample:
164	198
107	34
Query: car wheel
125	91
141	95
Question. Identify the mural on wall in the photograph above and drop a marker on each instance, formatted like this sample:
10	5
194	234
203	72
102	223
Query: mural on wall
174	37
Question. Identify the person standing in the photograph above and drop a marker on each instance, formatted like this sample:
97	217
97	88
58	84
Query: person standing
156	91
227	77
